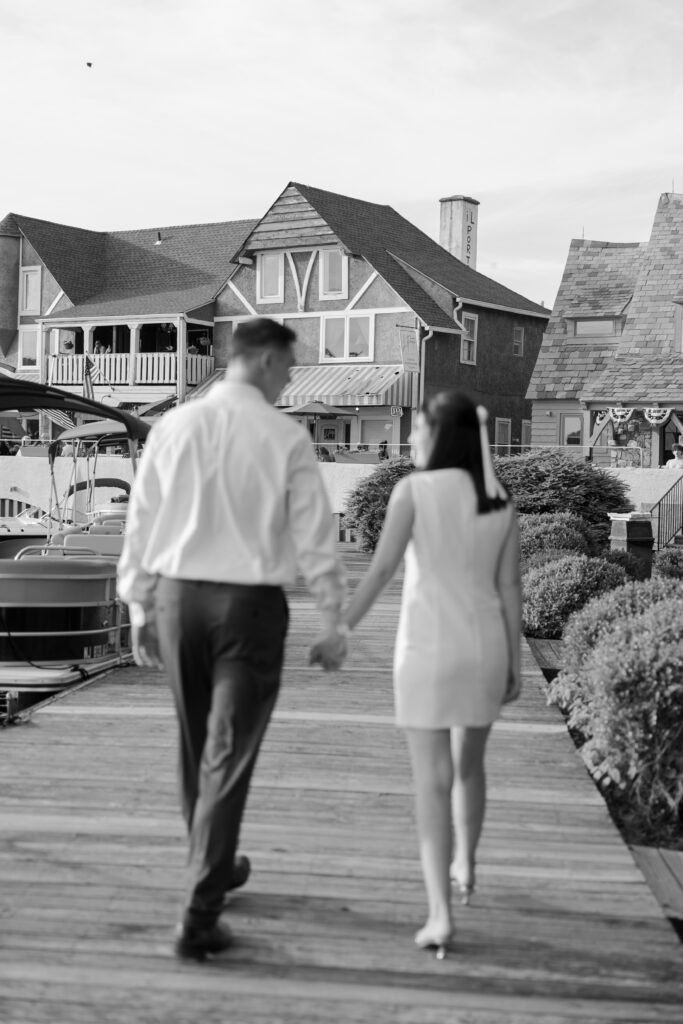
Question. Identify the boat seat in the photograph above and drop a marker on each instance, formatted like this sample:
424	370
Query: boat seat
114	528
99	543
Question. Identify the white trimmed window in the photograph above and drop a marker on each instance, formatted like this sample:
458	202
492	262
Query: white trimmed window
468	340
594	328
526	433
334	274
518	341
571	429
503	432
29	291
347	338
28	347
270	277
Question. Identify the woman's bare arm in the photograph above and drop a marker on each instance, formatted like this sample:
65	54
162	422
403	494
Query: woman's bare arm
510	590
398	526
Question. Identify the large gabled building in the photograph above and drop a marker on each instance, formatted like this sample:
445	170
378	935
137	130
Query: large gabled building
384	314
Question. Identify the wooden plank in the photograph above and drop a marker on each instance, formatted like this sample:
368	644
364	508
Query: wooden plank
92	858
660	869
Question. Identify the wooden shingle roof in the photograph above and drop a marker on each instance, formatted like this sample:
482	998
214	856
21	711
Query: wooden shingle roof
598	280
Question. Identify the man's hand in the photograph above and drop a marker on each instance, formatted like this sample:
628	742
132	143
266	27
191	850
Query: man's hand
329	649
145	640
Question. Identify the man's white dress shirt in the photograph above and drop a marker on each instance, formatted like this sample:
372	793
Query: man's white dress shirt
228	490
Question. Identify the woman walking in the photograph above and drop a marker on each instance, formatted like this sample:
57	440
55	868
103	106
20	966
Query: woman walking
457	654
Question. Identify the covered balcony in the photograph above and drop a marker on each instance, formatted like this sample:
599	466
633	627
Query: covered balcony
174	354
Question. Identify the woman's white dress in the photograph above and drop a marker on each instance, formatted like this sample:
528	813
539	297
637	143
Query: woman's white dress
451	658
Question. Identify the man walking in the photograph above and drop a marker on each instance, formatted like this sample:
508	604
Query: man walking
228	501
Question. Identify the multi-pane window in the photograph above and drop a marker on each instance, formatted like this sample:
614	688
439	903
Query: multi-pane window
468	341
270	277
333	274
347	337
503	431
29	291
518	341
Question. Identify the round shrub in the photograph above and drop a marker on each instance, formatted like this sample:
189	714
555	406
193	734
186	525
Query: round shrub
635	717
634	568
551	481
543	557
570	690
366	505
549	533
668	563
553	591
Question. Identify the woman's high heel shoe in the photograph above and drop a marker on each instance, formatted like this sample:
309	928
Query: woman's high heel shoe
433	938
464	888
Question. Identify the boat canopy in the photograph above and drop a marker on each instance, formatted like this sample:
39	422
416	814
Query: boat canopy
100	428
28	395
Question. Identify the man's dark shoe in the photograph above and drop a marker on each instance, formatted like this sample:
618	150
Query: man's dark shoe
196	943
241	870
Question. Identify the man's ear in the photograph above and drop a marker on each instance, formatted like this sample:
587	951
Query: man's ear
266	358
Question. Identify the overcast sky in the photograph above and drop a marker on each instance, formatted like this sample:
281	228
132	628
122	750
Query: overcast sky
562	117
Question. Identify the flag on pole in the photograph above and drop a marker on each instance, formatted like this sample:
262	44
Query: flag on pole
88	389
62	419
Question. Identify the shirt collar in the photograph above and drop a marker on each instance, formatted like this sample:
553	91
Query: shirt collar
242	389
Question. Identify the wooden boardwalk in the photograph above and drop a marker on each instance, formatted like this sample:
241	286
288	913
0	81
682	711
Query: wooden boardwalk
563	927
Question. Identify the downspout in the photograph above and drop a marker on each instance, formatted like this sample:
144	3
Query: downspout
423	346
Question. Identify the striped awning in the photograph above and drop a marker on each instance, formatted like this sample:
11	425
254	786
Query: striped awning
349	385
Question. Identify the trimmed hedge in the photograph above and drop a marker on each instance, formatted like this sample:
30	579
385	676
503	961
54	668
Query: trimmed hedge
545	532
366	505
635	716
550	481
543	557
634	568
553	591
570	690
668	563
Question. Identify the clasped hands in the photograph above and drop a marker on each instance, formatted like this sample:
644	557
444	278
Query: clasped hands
329	649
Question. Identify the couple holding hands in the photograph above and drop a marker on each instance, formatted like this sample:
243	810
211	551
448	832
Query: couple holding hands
227	504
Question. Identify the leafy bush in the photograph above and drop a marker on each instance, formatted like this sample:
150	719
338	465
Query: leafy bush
551	481
635	716
366	505
634	568
668	563
542	557
570	690
542	532
553	591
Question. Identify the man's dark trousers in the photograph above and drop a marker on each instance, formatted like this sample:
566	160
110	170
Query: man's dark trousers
222	645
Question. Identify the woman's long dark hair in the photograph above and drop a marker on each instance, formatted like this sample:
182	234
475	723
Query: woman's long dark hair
453	420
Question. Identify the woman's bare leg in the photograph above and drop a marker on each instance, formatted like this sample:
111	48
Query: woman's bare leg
430	752
468	746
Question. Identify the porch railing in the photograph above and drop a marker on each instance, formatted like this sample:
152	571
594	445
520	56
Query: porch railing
668	514
150	368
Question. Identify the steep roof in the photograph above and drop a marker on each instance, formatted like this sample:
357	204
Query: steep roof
387	240
598	281
184	271
125	273
648	364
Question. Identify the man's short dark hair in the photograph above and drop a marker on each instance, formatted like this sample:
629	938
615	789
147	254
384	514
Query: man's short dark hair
254	335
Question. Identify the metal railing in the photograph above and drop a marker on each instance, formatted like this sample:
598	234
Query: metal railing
668	514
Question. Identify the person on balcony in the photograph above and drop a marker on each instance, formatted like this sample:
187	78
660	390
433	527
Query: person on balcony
677	461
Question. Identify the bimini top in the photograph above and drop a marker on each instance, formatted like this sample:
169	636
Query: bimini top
100	428
23	394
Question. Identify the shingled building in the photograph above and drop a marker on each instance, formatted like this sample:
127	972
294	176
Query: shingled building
609	376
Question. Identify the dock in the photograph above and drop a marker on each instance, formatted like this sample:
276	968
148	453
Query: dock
562	928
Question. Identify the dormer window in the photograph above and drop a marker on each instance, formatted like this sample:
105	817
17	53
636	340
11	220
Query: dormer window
594	328
334	274
270	277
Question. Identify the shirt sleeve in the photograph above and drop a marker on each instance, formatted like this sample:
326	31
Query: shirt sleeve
312	529
135	584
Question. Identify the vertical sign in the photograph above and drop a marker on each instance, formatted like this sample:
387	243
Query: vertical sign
410	356
470	235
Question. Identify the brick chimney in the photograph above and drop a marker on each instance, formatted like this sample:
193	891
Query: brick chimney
458	228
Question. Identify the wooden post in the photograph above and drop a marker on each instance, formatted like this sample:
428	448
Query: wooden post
134	347
181	355
632	532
